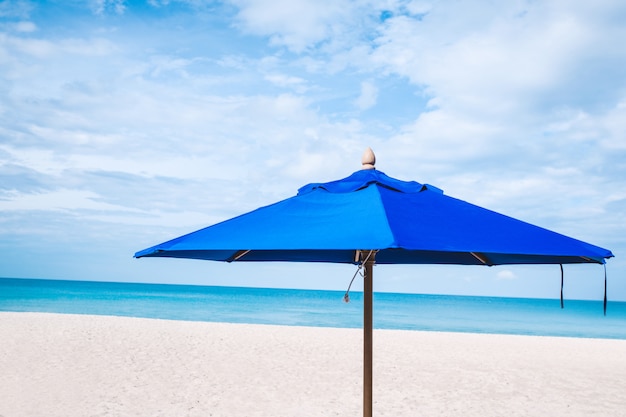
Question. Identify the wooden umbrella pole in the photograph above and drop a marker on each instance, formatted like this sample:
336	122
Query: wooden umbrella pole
367	335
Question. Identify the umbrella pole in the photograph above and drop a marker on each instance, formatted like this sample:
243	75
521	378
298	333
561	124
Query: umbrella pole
367	336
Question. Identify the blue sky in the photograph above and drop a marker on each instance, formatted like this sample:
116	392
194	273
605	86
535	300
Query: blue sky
126	123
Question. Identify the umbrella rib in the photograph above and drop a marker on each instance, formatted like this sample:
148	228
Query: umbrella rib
482	258
238	255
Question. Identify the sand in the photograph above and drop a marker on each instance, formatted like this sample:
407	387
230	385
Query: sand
71	365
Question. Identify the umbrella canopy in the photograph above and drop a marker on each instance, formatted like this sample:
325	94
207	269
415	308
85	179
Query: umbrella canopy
370	218
405	222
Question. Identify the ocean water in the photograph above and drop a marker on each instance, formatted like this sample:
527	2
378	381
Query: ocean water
316	308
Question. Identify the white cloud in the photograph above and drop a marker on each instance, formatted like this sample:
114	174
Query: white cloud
43	49
56	200
25	27
101	7
613	124
513	59
16	9
506	275
296	24
368	97
282	80
417	7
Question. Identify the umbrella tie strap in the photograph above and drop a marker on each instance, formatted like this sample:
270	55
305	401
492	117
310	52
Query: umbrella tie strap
605	289
561	265
346	296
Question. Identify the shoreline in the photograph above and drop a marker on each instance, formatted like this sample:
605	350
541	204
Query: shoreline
377	329
78	365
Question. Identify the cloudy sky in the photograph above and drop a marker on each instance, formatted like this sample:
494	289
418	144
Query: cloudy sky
126	123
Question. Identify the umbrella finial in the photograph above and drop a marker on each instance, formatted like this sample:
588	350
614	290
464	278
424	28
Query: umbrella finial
368	159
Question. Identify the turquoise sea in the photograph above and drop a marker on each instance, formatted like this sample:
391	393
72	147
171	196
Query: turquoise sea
316	308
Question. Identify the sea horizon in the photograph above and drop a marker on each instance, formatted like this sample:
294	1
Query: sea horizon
189	284
316	308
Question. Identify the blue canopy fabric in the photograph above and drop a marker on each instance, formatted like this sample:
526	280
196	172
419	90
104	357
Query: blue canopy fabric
404	221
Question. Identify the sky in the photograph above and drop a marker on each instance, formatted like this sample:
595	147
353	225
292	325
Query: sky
124	124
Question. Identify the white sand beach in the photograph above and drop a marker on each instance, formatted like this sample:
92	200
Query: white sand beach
74	365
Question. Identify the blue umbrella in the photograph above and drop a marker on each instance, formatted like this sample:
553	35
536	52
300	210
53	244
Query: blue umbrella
370	218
